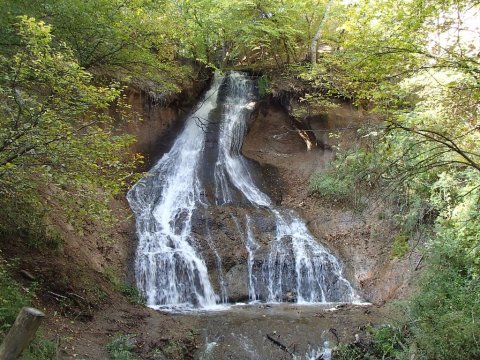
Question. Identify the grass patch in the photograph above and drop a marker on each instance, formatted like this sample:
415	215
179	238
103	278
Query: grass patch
447	310
129	291
40	349
132	294
400	246
377	343
12	298
121	347
175	350
347	179
263	86
331	186
441	319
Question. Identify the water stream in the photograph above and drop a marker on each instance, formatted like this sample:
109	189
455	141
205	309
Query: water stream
209	235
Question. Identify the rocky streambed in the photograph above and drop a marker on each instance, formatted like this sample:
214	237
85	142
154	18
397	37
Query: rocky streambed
281	331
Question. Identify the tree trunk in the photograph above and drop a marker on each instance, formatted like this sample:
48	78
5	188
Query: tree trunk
316	37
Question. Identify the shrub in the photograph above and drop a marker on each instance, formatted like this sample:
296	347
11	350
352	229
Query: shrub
446	311
129	291
331	186
400	246
40	349
12	298
384	342
345	180
121	348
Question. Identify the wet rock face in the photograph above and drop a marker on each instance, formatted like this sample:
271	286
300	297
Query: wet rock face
245	271
236	280
155	122
220	233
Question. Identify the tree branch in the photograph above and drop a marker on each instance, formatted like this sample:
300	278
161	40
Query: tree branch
437	137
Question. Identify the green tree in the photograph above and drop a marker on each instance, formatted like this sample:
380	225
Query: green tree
135	41
56	139
260	33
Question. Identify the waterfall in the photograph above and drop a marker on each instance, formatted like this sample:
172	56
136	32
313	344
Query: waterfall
168	267
204	172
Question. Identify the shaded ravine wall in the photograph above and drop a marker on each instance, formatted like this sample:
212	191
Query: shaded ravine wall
155	123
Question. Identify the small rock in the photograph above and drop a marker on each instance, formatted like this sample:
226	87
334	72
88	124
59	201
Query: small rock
27	275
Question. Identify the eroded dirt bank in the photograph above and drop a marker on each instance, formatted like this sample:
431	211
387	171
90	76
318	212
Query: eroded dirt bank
362	238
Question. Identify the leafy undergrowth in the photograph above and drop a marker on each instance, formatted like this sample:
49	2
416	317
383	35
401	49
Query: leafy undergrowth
385	342
446	312
121	348
124	347
352	175
12	298
129	291
441	320
440	206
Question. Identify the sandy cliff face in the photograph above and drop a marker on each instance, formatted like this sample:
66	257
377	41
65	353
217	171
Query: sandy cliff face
362	238
156	123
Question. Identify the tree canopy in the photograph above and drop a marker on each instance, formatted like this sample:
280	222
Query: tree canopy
54	128
65	62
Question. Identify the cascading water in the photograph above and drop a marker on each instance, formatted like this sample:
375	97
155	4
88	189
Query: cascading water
203	172
168	267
